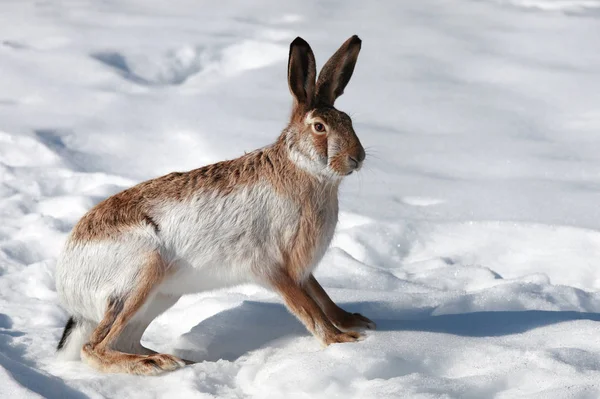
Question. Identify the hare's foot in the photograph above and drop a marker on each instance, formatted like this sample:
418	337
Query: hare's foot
347	321
111	361
343	320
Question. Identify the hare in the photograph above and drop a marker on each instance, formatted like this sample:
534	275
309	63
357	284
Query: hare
266	218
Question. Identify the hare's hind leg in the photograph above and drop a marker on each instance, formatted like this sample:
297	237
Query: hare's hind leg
129	340
99	352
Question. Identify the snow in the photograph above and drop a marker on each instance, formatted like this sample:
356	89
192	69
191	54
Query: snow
472	235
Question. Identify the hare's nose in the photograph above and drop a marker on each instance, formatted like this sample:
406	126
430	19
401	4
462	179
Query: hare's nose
361	155
355	160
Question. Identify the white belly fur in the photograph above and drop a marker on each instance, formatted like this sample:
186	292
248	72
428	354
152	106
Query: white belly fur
218	241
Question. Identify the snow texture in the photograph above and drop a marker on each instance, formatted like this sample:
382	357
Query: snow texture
472	235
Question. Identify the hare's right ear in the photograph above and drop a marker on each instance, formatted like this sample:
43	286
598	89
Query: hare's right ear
302	73
336	72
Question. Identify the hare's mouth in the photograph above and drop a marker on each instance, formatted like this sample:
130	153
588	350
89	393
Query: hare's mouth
353	165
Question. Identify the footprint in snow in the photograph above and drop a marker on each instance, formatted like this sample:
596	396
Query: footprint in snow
178	66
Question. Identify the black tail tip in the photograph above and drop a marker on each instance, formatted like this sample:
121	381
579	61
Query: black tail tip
67	331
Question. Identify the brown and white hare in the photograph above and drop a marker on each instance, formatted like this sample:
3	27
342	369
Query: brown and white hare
265	218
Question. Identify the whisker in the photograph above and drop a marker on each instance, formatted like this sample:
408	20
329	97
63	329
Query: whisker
370	155
372	150
352	114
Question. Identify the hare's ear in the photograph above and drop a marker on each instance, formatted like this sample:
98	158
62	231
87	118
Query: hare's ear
302	73
336	73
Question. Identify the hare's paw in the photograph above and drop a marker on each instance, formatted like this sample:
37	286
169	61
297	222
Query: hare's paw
342	337
353	321
157	364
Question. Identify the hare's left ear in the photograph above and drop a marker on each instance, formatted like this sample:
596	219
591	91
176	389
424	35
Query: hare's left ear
302	73
336	73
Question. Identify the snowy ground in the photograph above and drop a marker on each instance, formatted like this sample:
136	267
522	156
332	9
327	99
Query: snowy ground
472	238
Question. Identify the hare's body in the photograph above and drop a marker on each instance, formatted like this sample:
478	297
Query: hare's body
214	238
265	218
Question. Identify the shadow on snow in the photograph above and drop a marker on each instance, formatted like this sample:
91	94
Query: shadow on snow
253	325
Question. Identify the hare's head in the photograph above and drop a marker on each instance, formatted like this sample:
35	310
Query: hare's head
320	138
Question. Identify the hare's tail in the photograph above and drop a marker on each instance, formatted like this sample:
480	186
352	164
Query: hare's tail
75	335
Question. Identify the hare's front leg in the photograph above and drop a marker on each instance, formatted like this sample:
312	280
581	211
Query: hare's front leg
100	351
300	303
339	317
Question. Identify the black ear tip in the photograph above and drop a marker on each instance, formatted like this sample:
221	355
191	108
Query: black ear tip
355	40
299	42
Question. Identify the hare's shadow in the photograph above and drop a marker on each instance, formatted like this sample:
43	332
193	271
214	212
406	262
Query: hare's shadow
234	332
253	325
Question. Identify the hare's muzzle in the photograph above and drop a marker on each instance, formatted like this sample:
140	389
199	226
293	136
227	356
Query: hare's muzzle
355	160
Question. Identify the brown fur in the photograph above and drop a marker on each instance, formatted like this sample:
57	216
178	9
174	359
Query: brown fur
300	257
133	207
98	351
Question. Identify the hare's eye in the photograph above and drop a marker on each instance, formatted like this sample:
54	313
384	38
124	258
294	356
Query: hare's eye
319	127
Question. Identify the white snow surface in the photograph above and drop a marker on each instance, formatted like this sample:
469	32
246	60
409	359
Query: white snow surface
472	235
